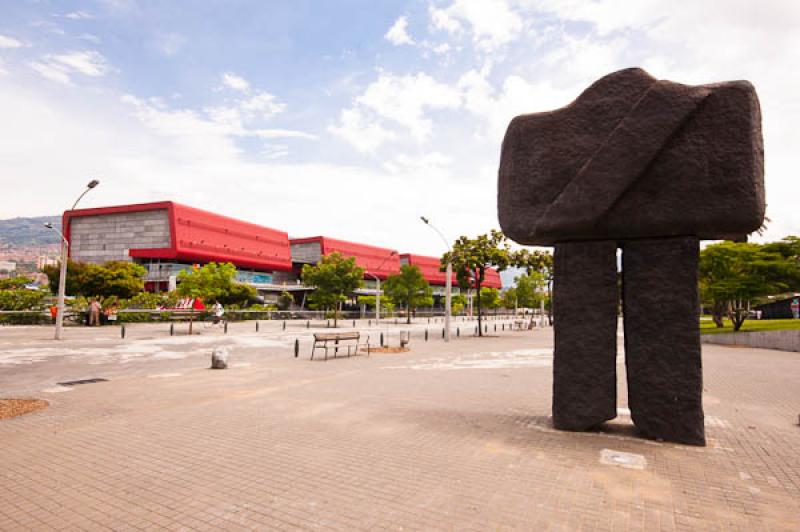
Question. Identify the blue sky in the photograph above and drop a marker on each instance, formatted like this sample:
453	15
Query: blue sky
347	118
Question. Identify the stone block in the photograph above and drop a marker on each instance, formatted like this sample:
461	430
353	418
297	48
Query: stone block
662	338
219	358
585	299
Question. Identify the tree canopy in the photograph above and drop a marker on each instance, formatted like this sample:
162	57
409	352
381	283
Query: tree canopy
733	274
14	295
115	278
409	288
471	257
334	277
215	282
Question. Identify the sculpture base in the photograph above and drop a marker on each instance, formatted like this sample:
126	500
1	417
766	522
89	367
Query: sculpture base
585	300
662	338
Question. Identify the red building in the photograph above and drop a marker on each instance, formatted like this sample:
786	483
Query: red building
430	268
377	261
167	237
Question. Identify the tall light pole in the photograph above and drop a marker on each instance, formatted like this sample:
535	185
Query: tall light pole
378	283
62	277
448	283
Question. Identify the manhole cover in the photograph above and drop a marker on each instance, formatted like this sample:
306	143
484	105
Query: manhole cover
18	407
82	381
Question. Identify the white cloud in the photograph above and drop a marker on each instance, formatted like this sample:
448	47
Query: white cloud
79	15
433	163
9	42
51	72
405	99
397	34
363	134
212	132
59	67
237	83
89	63
493	23
262	104
170	44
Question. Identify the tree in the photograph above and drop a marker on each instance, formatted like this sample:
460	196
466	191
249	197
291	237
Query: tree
509	298
334	278
471	257
215	282
14	295
387	305
75	274
458	303
115	278
538	265
409	288
490	298
733	274
285	300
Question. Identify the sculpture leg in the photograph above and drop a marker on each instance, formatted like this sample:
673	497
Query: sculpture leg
662	338
585	300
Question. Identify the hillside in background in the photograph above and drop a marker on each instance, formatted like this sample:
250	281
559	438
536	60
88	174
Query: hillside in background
26	232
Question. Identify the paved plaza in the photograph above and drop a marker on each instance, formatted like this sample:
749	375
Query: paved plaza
444	437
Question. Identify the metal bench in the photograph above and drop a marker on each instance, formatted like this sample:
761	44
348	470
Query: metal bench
335	341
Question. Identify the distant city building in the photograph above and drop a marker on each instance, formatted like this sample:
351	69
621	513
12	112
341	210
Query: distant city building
42	261
167	237
7	269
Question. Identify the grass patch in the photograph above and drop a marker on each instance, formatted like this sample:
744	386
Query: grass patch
708	327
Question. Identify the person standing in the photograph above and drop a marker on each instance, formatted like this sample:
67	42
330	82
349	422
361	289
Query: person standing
94	312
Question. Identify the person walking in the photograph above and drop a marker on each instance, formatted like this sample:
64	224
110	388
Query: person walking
94	312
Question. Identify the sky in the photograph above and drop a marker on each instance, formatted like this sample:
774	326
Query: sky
348	118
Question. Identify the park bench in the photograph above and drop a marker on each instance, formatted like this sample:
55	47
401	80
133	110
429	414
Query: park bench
335	341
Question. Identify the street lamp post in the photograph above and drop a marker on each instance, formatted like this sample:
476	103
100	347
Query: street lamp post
62	277
448	283
378	291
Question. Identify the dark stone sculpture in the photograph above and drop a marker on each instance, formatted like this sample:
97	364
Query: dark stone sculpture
651	167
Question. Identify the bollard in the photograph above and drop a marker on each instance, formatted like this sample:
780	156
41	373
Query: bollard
308	324
426	335
503	326
256	325
429	319
329	324
495	327
284	325
122	332
296	347
458	331
486	328
442	333
172	329
354	323
226	326
381	339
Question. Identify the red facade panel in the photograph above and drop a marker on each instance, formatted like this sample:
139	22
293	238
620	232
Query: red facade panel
201	236
429	266
380	262
491	279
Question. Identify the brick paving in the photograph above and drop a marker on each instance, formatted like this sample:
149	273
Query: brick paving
444	437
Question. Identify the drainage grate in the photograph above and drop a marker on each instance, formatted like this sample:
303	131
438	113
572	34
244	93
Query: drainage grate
82	381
